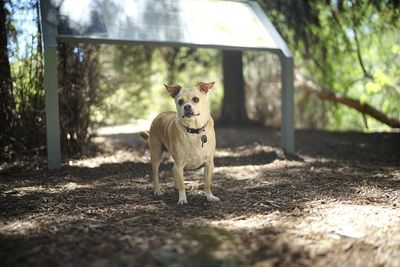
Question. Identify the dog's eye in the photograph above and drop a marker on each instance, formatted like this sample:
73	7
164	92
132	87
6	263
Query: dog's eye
180	102
195	99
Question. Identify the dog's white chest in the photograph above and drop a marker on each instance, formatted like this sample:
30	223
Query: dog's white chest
197	153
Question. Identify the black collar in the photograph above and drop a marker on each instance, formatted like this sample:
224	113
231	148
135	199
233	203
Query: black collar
196	130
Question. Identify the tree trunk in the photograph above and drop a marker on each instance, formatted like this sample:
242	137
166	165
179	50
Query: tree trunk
169	54
233	103
6	89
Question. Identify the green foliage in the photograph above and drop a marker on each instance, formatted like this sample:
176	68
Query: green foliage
125	85
132	79
27	74
348	47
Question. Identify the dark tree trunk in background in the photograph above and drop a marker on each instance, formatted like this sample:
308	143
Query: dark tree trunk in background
233	103
6	90
169	54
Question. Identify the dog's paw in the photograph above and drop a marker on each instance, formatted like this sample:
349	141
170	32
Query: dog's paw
157	193
182	198
182	201
212	198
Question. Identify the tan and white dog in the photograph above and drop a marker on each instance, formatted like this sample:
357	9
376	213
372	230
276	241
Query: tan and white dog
188	135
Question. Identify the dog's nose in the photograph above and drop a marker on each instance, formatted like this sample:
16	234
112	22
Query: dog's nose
187	107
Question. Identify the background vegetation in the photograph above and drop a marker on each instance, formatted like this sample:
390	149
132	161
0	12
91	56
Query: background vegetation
347	56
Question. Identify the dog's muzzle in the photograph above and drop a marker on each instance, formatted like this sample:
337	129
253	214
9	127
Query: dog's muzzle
188	112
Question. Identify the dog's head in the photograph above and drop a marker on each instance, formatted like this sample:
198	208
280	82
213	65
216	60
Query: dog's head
191	102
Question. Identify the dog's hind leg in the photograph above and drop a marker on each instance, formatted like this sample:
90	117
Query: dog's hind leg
156	155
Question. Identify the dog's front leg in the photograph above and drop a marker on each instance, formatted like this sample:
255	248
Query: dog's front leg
208	170
179	184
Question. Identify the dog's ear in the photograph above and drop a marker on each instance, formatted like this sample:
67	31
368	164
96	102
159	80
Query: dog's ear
173	89
205	87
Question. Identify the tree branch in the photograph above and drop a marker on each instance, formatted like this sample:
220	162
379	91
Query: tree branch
328	95
360	60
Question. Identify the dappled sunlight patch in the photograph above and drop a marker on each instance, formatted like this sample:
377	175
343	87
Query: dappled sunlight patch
19	227
247	151
284	163
22	191
257	221
395	175
138	126
360	219
73	186
340	220
375	194
83	219
349	229
118	157
28	225
248	172
240	172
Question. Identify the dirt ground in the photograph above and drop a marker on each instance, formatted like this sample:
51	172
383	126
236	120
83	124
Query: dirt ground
335	203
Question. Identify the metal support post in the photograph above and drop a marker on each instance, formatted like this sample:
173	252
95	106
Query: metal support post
48	21
52	110
287	107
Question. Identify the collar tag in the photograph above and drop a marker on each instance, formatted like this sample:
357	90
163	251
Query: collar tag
203	140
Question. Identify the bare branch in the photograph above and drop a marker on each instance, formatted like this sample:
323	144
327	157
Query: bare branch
364	108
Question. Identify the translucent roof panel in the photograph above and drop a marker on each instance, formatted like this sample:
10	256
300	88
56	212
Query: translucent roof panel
190	22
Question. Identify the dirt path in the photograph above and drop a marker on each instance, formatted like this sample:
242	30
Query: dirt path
336	203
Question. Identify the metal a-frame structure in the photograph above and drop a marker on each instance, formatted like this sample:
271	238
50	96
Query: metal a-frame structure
219	24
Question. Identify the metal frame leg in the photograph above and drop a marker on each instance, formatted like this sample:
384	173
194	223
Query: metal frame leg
287	107
52	110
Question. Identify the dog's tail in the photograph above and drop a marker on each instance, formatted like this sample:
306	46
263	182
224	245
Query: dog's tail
145	135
